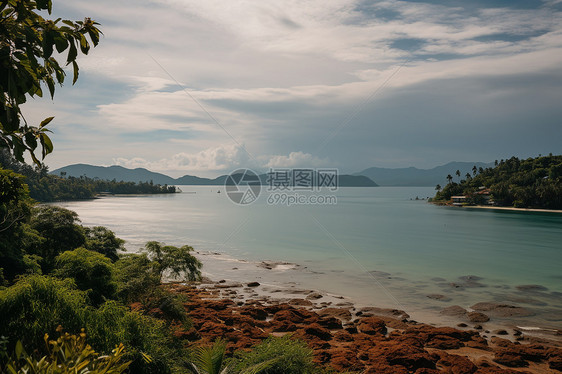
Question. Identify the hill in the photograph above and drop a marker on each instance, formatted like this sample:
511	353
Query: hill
412	176
116	172
530	183
120	173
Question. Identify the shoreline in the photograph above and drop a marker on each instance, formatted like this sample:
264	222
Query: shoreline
348	338
491	207
284	282
513	209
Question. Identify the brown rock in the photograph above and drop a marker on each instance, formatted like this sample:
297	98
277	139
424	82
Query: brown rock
509	359
397	354
444	342
455	364
477	317
454	311
253	284
314	296
342	313
300	302
502	310
372	326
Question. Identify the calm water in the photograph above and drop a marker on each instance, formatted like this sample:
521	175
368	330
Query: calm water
376	245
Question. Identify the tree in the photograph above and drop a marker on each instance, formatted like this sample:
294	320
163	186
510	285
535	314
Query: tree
474	170
61	230
450	178
468	176
92	272
27	44
458	173
178	261
104	241
438	187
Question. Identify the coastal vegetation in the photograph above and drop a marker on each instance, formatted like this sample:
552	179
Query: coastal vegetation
45	187
529	183
56	273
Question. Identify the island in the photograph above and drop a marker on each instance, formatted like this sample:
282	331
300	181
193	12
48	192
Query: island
532	183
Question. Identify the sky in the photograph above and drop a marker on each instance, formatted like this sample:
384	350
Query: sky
204	87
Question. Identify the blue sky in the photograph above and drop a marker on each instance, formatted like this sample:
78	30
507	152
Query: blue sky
203	87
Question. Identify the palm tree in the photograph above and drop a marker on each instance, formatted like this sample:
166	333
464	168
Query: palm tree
211	360
450	178
438	187
468	176
474	170
458	173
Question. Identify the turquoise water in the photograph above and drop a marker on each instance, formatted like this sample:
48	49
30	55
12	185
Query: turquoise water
411	247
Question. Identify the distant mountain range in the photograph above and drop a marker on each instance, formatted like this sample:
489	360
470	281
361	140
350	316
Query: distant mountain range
420	177
370	177
120	173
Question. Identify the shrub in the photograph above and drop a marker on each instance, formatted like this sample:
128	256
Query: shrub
36	305
67	354
92	272
293	356
135	277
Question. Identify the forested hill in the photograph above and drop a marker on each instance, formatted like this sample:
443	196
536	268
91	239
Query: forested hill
45	187
530	183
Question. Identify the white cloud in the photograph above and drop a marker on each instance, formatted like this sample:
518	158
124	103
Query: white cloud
224	157
296	159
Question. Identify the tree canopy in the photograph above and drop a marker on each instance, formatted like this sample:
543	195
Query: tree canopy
28	42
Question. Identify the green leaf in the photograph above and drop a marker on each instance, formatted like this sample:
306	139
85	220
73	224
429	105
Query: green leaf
60	43
46	143
47	43
30	140
51	85
72	52
19	349
84	46
75	66
45	122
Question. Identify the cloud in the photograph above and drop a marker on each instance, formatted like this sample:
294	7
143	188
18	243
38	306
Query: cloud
296	159
284	76
225	157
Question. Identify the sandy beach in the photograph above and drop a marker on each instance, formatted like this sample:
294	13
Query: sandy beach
513	209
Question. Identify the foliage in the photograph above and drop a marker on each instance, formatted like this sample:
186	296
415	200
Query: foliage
92	272
45	187
36	305
15	211
135	277
177	261
27	44
212	360
61	230
113	323
68	354
534	182
102	240
293	356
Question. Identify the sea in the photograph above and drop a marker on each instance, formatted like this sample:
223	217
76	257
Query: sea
380	246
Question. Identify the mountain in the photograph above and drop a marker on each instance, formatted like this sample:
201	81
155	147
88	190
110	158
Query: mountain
120	173
420	177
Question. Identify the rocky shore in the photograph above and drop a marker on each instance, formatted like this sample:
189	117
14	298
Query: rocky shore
369	339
